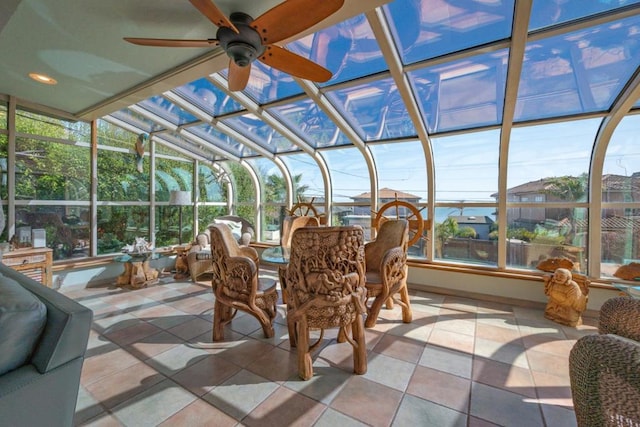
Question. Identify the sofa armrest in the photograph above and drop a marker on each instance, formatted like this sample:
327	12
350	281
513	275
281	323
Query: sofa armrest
620	316
66	332
604	371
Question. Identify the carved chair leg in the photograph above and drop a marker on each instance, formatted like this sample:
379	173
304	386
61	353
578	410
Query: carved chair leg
360	347
374	310
343	332
407	314
389	303
291	325
267	327
221	314
305	364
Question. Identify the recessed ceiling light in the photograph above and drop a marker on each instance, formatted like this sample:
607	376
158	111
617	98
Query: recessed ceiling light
43	78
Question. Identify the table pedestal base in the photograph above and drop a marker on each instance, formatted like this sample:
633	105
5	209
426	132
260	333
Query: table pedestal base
138	274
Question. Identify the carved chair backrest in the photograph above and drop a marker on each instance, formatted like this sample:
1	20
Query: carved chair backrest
291	223
325	262
392	233
234	274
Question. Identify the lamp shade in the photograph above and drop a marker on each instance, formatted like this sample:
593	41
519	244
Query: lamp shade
179	198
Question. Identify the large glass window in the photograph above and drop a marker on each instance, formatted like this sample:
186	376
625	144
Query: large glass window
173	174
244	192
621	198
403	177
351	188
273	197
52	189
466	173
547	179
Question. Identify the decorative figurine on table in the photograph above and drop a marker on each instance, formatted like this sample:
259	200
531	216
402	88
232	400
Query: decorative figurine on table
567	301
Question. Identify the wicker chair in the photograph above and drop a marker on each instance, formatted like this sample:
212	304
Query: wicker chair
386	274
199	256
291	223
605	369
236	285
325	276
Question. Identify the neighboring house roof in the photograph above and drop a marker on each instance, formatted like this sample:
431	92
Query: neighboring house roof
472	219
610	182
387	193
612	223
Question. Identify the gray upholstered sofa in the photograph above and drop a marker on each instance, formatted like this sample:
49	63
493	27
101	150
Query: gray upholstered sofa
42	345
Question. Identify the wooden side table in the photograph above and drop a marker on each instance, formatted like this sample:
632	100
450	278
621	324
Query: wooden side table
36	263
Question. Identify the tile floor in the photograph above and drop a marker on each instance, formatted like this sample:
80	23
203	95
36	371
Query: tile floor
461	362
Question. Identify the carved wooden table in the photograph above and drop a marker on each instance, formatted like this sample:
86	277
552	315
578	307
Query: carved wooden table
137	270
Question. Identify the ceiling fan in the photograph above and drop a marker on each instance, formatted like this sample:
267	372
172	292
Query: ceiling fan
245	39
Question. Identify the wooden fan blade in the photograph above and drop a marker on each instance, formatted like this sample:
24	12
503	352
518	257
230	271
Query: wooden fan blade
172	42
292	17
238	76
294	64
211	11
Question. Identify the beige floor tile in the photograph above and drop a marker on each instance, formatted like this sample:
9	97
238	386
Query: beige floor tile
367	401
460	362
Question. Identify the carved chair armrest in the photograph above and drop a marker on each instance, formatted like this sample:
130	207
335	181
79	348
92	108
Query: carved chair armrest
620	316
250	252
392	266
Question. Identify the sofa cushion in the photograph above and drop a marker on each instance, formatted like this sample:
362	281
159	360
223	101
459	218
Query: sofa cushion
234	226
22	320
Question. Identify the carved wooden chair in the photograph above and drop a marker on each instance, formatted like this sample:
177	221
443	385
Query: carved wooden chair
291	223
236	285
325	276
386	273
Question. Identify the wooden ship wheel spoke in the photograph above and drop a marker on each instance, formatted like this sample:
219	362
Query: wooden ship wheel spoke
307	209
417	225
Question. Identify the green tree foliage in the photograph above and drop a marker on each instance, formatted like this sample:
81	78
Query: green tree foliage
466	232
568	188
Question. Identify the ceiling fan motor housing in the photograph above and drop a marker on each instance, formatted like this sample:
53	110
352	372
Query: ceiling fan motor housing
243	47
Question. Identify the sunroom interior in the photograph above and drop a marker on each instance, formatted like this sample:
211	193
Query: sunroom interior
511	126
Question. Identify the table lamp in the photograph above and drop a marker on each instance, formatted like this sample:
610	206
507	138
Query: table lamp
180	198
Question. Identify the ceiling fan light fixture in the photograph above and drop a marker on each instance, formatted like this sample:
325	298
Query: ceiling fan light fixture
242	54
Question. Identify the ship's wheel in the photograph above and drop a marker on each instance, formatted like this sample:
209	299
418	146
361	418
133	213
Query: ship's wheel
307	209
417	224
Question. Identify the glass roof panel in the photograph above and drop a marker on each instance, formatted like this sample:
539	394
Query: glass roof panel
166	109
349	50
258	131
267	84
208	97
462	94
425	29
137	120
375	110
545	13
221	140
579	72
310	123
185	142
